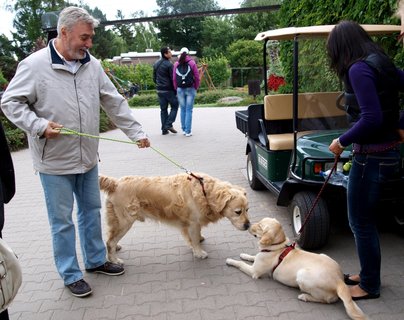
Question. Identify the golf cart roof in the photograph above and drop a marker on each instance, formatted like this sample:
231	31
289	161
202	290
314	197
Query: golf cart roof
321	31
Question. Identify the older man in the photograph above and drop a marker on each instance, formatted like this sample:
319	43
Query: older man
59	86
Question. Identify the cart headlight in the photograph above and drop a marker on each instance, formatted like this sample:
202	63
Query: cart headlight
329	165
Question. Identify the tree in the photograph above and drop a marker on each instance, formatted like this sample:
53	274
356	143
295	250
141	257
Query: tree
245	53
218	69
217	35
183	32
137	37
8	64
310	12
246	26
27	23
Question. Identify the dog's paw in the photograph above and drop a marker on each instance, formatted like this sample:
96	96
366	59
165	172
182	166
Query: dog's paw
303	297
247	257
231	262
244	256
115	260
201	254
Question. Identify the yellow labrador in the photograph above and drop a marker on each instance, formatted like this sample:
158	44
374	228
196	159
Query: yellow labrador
318	276
186	201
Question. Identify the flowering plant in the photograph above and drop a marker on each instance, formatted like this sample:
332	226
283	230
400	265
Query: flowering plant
274	82
275	78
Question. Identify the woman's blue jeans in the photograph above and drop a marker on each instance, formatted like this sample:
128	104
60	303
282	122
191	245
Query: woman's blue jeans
60	191
367	174
186	97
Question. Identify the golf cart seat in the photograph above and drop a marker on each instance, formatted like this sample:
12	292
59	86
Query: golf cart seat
317	111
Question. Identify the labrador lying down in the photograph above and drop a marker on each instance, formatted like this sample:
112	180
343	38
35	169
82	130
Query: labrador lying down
186	201
318	276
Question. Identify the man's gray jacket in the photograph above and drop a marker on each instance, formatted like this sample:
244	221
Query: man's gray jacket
44	90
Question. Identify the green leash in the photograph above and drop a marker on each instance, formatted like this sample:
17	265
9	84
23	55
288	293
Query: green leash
67	131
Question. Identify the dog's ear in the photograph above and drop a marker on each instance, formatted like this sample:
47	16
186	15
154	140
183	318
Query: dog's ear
267	237
219	201
272	235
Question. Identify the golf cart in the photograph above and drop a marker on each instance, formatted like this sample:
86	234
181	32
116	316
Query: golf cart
288	138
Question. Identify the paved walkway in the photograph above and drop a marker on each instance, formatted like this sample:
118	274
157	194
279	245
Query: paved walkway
162	279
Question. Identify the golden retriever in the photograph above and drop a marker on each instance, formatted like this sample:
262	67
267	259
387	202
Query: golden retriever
186	201
318	276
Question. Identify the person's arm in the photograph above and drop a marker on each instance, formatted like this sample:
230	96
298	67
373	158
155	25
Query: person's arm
17	99
154	74
118	110
197	80
363	81
7	179
174	75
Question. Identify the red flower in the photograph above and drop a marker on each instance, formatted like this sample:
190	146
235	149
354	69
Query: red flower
274	82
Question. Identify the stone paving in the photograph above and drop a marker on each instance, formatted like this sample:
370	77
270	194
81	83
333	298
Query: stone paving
162	279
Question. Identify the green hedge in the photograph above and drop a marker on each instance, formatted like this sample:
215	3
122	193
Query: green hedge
210	97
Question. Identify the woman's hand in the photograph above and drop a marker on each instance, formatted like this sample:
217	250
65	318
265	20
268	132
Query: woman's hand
335	147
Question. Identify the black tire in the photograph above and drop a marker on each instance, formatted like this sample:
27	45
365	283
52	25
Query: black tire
316	230
253	181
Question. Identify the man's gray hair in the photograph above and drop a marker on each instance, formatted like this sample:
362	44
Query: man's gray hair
70	16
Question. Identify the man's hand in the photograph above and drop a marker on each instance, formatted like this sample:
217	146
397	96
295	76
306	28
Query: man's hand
52	131
143	143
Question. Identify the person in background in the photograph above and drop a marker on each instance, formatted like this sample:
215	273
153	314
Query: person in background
372	84
7	186
162	77
186	83
63	85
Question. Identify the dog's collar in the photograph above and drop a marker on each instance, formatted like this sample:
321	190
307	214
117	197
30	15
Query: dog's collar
284	253
200	179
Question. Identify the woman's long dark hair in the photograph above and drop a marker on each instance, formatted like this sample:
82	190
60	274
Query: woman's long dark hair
347	43
182	58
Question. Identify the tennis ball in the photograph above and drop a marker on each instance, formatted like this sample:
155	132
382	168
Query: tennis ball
347	166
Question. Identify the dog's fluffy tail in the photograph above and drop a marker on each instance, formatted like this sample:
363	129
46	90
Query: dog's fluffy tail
107	184
352	309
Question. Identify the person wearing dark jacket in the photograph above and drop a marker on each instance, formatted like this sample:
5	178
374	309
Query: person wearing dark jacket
372	84
7	186
162	76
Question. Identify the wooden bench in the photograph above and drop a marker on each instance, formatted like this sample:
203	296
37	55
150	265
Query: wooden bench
311	106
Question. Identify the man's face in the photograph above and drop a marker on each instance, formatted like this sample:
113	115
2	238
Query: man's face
77	41
168	54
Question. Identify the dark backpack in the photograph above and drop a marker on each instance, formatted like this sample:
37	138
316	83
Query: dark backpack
184	76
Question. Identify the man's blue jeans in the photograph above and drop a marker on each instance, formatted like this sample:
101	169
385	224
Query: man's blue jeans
186	98
167	118
367	174
60	191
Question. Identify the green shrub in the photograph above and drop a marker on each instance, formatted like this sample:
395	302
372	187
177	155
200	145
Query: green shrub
209	97
144	100
3	80
218	69
16	138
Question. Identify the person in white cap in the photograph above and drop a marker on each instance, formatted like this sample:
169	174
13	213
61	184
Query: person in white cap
186	82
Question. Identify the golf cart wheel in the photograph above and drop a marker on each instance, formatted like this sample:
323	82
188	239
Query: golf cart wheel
316	230
253	181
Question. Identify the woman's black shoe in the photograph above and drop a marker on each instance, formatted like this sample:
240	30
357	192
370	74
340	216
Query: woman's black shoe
350	282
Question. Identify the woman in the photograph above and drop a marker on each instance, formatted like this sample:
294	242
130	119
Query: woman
7	186
371	84
186	82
